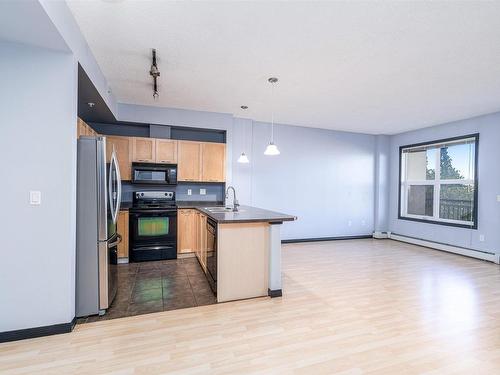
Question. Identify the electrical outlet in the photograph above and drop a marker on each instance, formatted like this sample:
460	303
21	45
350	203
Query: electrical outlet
203	191
349	223
35	198
498	198
363	222
481	238
190	192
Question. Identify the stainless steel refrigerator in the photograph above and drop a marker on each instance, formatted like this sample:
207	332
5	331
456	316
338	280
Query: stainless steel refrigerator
98	205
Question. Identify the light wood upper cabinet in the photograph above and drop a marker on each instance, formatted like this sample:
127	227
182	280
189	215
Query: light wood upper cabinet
213	167
123	148
82	128
189	161
122	229
186	231
166	151
196	161
144	150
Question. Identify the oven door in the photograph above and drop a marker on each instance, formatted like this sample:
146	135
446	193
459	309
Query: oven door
153	226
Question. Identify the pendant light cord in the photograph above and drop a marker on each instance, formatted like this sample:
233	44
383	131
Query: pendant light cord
272	112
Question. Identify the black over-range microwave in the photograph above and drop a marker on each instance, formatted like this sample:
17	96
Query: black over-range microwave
158	174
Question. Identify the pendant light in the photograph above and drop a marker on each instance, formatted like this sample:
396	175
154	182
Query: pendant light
243	157
272	149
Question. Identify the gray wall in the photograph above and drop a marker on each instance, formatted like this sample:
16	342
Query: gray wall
382	172
181	117
38	148
489	185
325	178
62	18
214	192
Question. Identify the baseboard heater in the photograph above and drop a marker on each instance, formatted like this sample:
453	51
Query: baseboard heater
316	239
484	255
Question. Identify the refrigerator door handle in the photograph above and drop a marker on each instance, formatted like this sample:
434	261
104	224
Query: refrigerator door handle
114	209
115	243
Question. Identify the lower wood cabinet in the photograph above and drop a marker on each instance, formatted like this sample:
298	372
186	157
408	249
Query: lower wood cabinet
186	230
122	229
191	234
202	241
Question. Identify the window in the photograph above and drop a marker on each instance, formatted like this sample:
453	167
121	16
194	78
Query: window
438	182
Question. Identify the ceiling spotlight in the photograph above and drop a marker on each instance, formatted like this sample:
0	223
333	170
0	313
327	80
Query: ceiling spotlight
155	73
91	104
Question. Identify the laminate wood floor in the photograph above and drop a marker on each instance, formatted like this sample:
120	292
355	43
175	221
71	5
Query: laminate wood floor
349	307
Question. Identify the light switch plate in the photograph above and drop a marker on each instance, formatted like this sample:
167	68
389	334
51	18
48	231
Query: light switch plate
35	197
498	198
481	238
203	191
190	192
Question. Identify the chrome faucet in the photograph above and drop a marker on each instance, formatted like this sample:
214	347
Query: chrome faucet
235	201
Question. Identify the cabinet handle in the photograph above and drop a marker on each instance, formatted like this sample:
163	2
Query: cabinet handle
142	160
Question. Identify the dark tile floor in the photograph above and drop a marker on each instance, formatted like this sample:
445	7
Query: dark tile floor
157	286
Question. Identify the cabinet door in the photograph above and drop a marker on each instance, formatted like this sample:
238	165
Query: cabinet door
213	156
186	231
83	129
122	147
166	151
198	234
188	161
122	228
203	241
80	128
144	150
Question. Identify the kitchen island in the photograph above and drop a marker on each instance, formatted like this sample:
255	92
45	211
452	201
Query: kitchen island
243	251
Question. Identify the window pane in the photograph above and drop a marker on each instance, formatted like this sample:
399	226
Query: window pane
456	202
420	200
420	165
457	161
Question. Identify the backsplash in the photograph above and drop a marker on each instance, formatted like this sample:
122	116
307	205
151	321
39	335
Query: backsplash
214	192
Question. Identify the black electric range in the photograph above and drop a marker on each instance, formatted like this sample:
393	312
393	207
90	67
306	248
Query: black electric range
153	226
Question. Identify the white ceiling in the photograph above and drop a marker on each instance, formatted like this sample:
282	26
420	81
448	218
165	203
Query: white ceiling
371	67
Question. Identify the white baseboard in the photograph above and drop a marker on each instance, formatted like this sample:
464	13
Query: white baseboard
491	257
380	235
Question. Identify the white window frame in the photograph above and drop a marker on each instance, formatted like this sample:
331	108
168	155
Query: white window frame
404	185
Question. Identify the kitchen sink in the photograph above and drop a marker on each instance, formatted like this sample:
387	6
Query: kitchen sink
221	209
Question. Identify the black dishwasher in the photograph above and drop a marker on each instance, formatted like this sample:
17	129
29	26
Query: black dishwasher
212	254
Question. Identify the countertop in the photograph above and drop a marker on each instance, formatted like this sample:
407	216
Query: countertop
247	214
125	206
196	204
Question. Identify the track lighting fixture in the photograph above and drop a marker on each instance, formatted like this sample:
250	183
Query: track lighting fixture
155	73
